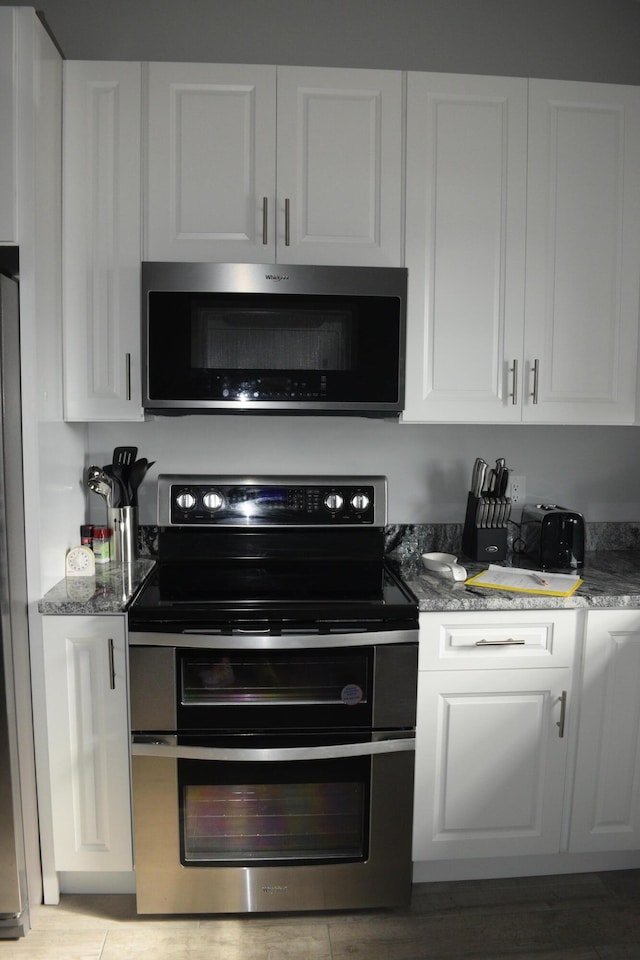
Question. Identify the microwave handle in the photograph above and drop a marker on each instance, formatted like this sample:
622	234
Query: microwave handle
165	747
265	220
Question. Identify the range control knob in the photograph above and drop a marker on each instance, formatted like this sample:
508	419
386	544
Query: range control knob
360	502
213	501
185	501
333	502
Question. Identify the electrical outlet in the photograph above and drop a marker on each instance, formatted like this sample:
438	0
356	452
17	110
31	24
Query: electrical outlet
517	489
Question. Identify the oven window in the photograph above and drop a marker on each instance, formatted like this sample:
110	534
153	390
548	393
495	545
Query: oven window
274	679
243	813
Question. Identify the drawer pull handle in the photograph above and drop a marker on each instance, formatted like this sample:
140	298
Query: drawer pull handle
509	642
563	713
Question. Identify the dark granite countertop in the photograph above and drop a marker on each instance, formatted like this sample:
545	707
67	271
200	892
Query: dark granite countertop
110	591
611	580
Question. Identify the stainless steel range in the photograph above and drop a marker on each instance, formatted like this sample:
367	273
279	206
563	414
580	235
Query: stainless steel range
273	667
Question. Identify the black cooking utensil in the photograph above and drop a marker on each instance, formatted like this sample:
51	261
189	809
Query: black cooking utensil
137	474
120	491
126	456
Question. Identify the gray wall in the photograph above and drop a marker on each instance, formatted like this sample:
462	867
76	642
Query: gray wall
593	470
569	39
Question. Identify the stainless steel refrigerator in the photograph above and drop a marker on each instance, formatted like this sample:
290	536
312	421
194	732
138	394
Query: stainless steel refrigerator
14	685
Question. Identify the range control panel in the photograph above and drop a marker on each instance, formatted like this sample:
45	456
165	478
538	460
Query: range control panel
271	501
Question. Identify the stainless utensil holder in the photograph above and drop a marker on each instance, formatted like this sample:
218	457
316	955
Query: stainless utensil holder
123	522
485	544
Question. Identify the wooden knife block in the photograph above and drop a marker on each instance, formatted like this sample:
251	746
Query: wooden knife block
484	544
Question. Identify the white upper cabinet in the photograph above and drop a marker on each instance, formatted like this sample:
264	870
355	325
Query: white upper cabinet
211	162
465	223
274	164
101	240
583	253
8	121
523	248
339	168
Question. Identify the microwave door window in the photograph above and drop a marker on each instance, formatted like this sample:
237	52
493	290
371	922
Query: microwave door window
263	340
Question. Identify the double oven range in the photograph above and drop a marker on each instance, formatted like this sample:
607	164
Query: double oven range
273	673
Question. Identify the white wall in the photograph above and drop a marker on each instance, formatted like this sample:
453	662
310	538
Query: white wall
593	470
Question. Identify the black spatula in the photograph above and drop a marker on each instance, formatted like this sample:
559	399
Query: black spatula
125	456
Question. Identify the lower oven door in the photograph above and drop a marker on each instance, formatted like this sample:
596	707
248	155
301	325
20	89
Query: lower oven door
226	829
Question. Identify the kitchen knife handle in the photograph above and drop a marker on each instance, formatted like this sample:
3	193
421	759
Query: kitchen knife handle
536	377
287	222
514	383
563	714
265	220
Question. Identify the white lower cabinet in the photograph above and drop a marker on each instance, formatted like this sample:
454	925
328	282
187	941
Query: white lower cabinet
88	741
491	744
606	798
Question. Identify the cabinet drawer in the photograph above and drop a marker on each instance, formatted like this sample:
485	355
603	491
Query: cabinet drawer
539	638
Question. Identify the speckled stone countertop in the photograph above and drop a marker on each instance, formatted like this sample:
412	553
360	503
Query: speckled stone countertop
611	580
611	574
110	591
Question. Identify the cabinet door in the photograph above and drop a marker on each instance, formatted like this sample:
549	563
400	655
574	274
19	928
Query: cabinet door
583	253
339	166
465	223
606	801
88	739
211	162
101	241
8	93
490	763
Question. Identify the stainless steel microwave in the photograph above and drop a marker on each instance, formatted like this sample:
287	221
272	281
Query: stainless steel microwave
264	338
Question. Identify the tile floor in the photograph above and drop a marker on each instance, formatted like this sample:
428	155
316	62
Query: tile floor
579	917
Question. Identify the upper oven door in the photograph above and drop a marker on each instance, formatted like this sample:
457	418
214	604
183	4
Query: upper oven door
249	337
198	689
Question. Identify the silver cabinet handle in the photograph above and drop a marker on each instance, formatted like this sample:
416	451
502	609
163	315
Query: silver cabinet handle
147	746
265	220
127	362
287	222
536	377
514	372
509	642
563	714
112	666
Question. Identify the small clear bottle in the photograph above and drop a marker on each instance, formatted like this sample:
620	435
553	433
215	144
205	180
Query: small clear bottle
102	544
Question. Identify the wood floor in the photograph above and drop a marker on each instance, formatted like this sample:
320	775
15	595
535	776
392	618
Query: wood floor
592	916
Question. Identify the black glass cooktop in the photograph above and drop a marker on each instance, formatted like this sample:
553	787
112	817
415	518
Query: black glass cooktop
272	590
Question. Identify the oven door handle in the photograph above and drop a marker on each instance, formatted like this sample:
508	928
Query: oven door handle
165	747
203	639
